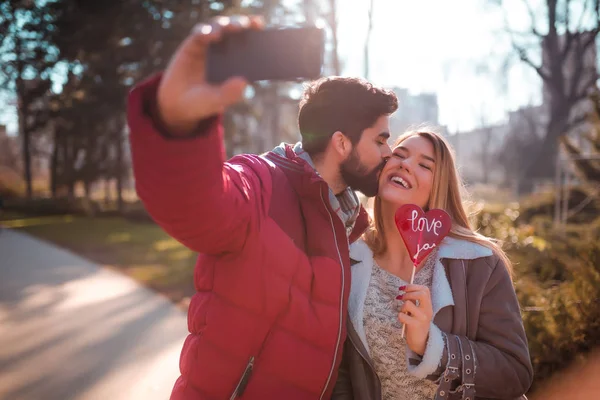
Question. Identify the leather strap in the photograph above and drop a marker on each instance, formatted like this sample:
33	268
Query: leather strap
468	369
451	372
460	357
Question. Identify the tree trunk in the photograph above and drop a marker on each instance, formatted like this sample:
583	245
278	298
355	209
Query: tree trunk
543	164
22	107
485	165
334	32
71	189
368	39
54	166
26	148
87	189
119	168
107	191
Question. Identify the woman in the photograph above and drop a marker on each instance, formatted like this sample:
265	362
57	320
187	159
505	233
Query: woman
464	335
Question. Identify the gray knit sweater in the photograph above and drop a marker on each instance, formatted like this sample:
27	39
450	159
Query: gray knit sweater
382	328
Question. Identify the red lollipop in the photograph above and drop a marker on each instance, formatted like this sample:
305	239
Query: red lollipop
421	232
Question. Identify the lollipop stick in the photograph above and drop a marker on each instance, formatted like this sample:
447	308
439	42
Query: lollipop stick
412	278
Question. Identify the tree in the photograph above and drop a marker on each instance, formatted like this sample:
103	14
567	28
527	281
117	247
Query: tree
107	46
524	138
337	69
27	57
327	9
485	137
567	68
93	95
124	41
368	38
586	157
9	152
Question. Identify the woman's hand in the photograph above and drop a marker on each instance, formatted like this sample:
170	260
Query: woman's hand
416	318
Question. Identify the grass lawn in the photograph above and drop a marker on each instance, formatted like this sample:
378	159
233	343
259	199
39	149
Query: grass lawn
140	250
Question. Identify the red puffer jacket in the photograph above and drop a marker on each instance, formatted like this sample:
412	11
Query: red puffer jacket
269	317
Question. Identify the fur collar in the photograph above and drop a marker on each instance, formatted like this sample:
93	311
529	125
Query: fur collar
441	293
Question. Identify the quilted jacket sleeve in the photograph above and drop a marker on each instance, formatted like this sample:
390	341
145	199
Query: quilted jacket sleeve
209	205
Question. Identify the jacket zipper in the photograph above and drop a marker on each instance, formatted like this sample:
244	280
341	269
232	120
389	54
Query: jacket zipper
367	360
243	382
337	344
247	374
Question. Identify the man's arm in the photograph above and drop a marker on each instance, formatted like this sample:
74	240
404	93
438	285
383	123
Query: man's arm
177	149
205	203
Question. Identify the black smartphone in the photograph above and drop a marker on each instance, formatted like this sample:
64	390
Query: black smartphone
286	54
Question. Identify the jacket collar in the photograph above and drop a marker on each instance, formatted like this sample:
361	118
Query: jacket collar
307	183
460	249
441	293
452	248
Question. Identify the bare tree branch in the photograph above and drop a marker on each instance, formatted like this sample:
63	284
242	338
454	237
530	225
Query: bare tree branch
576	90
590	39
532	18
575	122
567	15
583	12
583	94
520	50
569	34
523	56
584	202
333	23
368	38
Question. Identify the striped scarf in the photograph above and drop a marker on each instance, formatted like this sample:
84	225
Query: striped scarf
346	204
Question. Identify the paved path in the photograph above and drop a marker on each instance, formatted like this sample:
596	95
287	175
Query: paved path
72	330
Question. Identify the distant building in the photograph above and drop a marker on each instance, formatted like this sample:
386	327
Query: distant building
414	110
525	124
265	123
477	151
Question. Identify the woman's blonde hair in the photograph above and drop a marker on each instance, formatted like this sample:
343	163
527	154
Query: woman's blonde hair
445	194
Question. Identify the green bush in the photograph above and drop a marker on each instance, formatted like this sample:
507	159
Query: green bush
544	205
557	279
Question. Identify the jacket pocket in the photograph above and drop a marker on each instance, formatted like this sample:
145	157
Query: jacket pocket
244	379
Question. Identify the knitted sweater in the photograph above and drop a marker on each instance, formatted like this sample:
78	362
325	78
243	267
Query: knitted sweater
382	327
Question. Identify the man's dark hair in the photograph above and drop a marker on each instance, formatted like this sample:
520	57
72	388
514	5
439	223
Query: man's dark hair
348	105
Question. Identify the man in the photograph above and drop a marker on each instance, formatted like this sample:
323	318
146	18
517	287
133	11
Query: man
268	319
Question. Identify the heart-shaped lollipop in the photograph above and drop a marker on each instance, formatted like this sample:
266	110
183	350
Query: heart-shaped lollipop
420	231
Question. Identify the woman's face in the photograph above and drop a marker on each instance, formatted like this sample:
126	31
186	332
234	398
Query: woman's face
407	177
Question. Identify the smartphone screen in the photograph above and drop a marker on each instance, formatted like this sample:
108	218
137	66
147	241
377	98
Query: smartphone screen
273	54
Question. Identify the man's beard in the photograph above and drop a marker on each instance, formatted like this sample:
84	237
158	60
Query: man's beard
358	177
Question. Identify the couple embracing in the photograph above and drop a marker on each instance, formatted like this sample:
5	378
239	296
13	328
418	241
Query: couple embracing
299	293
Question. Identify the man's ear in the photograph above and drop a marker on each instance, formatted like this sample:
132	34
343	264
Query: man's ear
341	144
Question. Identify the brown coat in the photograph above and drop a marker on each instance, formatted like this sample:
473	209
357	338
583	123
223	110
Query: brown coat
482	347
